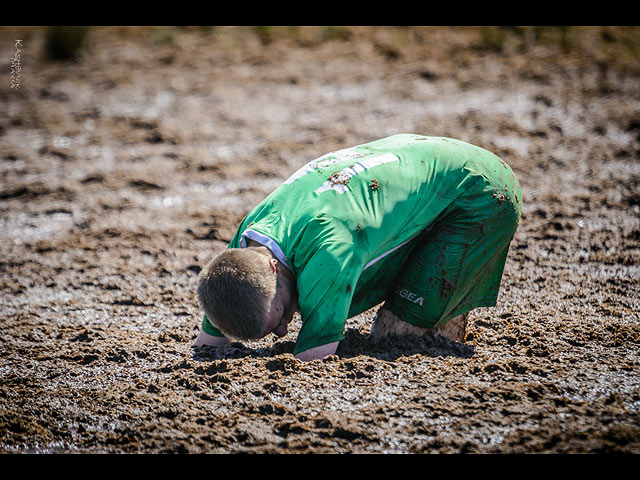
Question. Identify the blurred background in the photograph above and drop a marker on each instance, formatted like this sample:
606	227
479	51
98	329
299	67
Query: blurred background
209	102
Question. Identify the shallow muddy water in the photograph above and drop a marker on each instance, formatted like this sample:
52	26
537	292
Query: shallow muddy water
122	173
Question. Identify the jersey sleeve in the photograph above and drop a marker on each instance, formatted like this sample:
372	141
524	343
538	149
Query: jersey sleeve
209	328
325	290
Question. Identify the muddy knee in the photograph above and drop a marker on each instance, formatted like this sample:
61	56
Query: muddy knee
455	329
388	324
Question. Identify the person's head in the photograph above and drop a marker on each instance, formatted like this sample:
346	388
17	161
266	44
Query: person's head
247	294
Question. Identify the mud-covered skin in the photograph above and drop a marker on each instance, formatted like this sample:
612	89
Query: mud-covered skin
122	172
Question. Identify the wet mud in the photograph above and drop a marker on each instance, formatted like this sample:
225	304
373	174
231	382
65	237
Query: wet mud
124	170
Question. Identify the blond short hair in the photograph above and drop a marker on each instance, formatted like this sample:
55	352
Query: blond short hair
235	290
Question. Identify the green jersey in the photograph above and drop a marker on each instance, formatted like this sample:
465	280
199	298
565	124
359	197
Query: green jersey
341	216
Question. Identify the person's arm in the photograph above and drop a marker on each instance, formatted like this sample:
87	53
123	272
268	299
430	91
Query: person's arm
326	286
205	339
317	353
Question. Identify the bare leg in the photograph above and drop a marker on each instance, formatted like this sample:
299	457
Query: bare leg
387	323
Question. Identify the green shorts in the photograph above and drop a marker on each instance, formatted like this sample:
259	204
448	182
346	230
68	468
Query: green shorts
457	264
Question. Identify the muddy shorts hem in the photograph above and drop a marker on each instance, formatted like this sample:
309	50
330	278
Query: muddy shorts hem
458	264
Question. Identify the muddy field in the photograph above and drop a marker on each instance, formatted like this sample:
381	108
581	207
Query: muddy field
124	170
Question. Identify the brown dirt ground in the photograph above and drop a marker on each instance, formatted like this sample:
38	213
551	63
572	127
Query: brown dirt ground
122	172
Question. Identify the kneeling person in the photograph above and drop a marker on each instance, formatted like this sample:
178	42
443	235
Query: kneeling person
420	223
